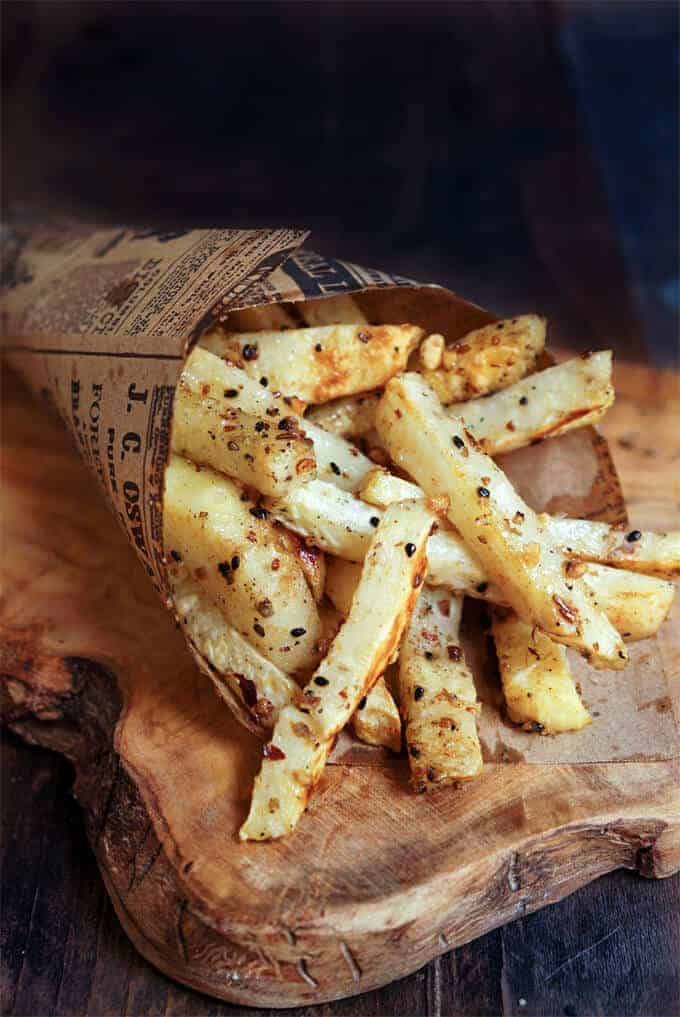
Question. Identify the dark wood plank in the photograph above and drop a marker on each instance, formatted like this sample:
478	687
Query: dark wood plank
612	948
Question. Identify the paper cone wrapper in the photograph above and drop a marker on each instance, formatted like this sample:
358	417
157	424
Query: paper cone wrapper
99	323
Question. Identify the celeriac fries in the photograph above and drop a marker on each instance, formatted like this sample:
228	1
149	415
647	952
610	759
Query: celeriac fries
294	759
288	544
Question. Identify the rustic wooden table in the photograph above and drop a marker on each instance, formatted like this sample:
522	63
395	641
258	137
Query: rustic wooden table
611	948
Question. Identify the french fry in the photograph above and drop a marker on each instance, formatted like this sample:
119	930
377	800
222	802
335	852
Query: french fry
241	562
244	446
437	695
229	389
319	364
635	604
340	310
376	720
507	536
294	759
253	687
540	693
486	359
350	417
655	554
311	560
543	405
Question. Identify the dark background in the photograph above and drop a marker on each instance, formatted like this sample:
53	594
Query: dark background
524	154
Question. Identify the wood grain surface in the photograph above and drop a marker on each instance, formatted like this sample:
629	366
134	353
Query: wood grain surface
291	923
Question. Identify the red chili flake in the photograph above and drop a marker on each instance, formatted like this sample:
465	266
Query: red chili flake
418	581
265	608
566	610
234	446
364	337
273	752
276	565
248	691
444	607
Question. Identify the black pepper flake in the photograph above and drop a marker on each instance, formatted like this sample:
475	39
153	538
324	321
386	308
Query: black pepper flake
633	536
175	555
224	569
336	469
298	632
418	692
523	401
362	703
454	652
235	562
230	393
415	752
259	629
365	337
458	442
483	492
260	425
320	680
374	521
259	512
233	446
536	726
264	382
410	550
482	587
286	424
429	655
250	352
318	347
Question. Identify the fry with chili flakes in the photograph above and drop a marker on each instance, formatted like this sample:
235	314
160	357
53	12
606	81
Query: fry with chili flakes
340	310
350	417
540	693
376	720
319	364
253	687
487	359
507	536
231	390
437	695
636	605
294	759
241	562
621	547
244	446
543	405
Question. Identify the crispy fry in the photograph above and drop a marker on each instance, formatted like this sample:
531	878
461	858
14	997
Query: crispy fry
540	693
294	759
232	390
622	547
351	417
437	695
486	359
244	446
544	405
319	364
254	688
376	720
242	564
636	605
507	536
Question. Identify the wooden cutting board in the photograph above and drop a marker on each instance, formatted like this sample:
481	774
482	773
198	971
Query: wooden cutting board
375	881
